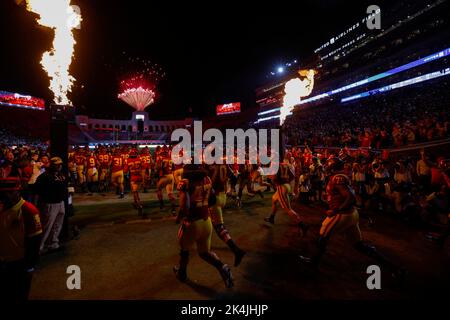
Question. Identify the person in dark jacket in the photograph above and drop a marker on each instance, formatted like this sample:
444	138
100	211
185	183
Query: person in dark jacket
52	191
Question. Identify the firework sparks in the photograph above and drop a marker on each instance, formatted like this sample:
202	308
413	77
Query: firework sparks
138	89
62	18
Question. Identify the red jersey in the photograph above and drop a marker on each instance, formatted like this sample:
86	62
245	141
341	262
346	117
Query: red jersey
80	159
307	158
135	167
117	163
27	172
284	174
437	177
165	167
91	162
199	193
125	157
146	161
17	223
335	198
104	159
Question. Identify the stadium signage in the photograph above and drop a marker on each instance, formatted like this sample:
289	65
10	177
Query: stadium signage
234	107
19	100
231	150
371	21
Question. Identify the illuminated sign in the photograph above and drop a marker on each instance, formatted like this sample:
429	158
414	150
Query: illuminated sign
228	108
388	73
416	63
344	33
22	101
393	86
401	84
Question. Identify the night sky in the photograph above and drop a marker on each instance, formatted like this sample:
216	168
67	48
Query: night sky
213	52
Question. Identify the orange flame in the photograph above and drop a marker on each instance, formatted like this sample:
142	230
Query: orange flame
294	90
62	18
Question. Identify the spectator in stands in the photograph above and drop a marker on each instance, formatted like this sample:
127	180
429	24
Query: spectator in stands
305	187
423	171
9	167
437	174
402	174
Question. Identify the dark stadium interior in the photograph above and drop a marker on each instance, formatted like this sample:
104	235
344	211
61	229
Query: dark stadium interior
363	178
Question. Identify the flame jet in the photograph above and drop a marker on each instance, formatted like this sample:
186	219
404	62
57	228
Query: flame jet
62	17
295	89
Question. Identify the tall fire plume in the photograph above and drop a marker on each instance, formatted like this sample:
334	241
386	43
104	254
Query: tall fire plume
62	17
295	89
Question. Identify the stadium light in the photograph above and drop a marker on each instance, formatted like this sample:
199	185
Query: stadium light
280	69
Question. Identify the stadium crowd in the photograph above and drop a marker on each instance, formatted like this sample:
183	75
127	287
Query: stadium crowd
9	138
413	186
400	185
375	122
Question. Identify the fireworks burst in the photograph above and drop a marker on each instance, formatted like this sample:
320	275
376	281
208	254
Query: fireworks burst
138	87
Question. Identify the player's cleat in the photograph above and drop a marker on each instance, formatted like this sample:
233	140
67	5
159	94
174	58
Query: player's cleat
259	192
227	277
121	196
270	219
267	189
140	210
161	205
174	211
238	203
181	274
303	227
238	257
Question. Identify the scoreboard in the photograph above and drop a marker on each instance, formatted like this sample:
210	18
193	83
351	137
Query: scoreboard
21	101
234	107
